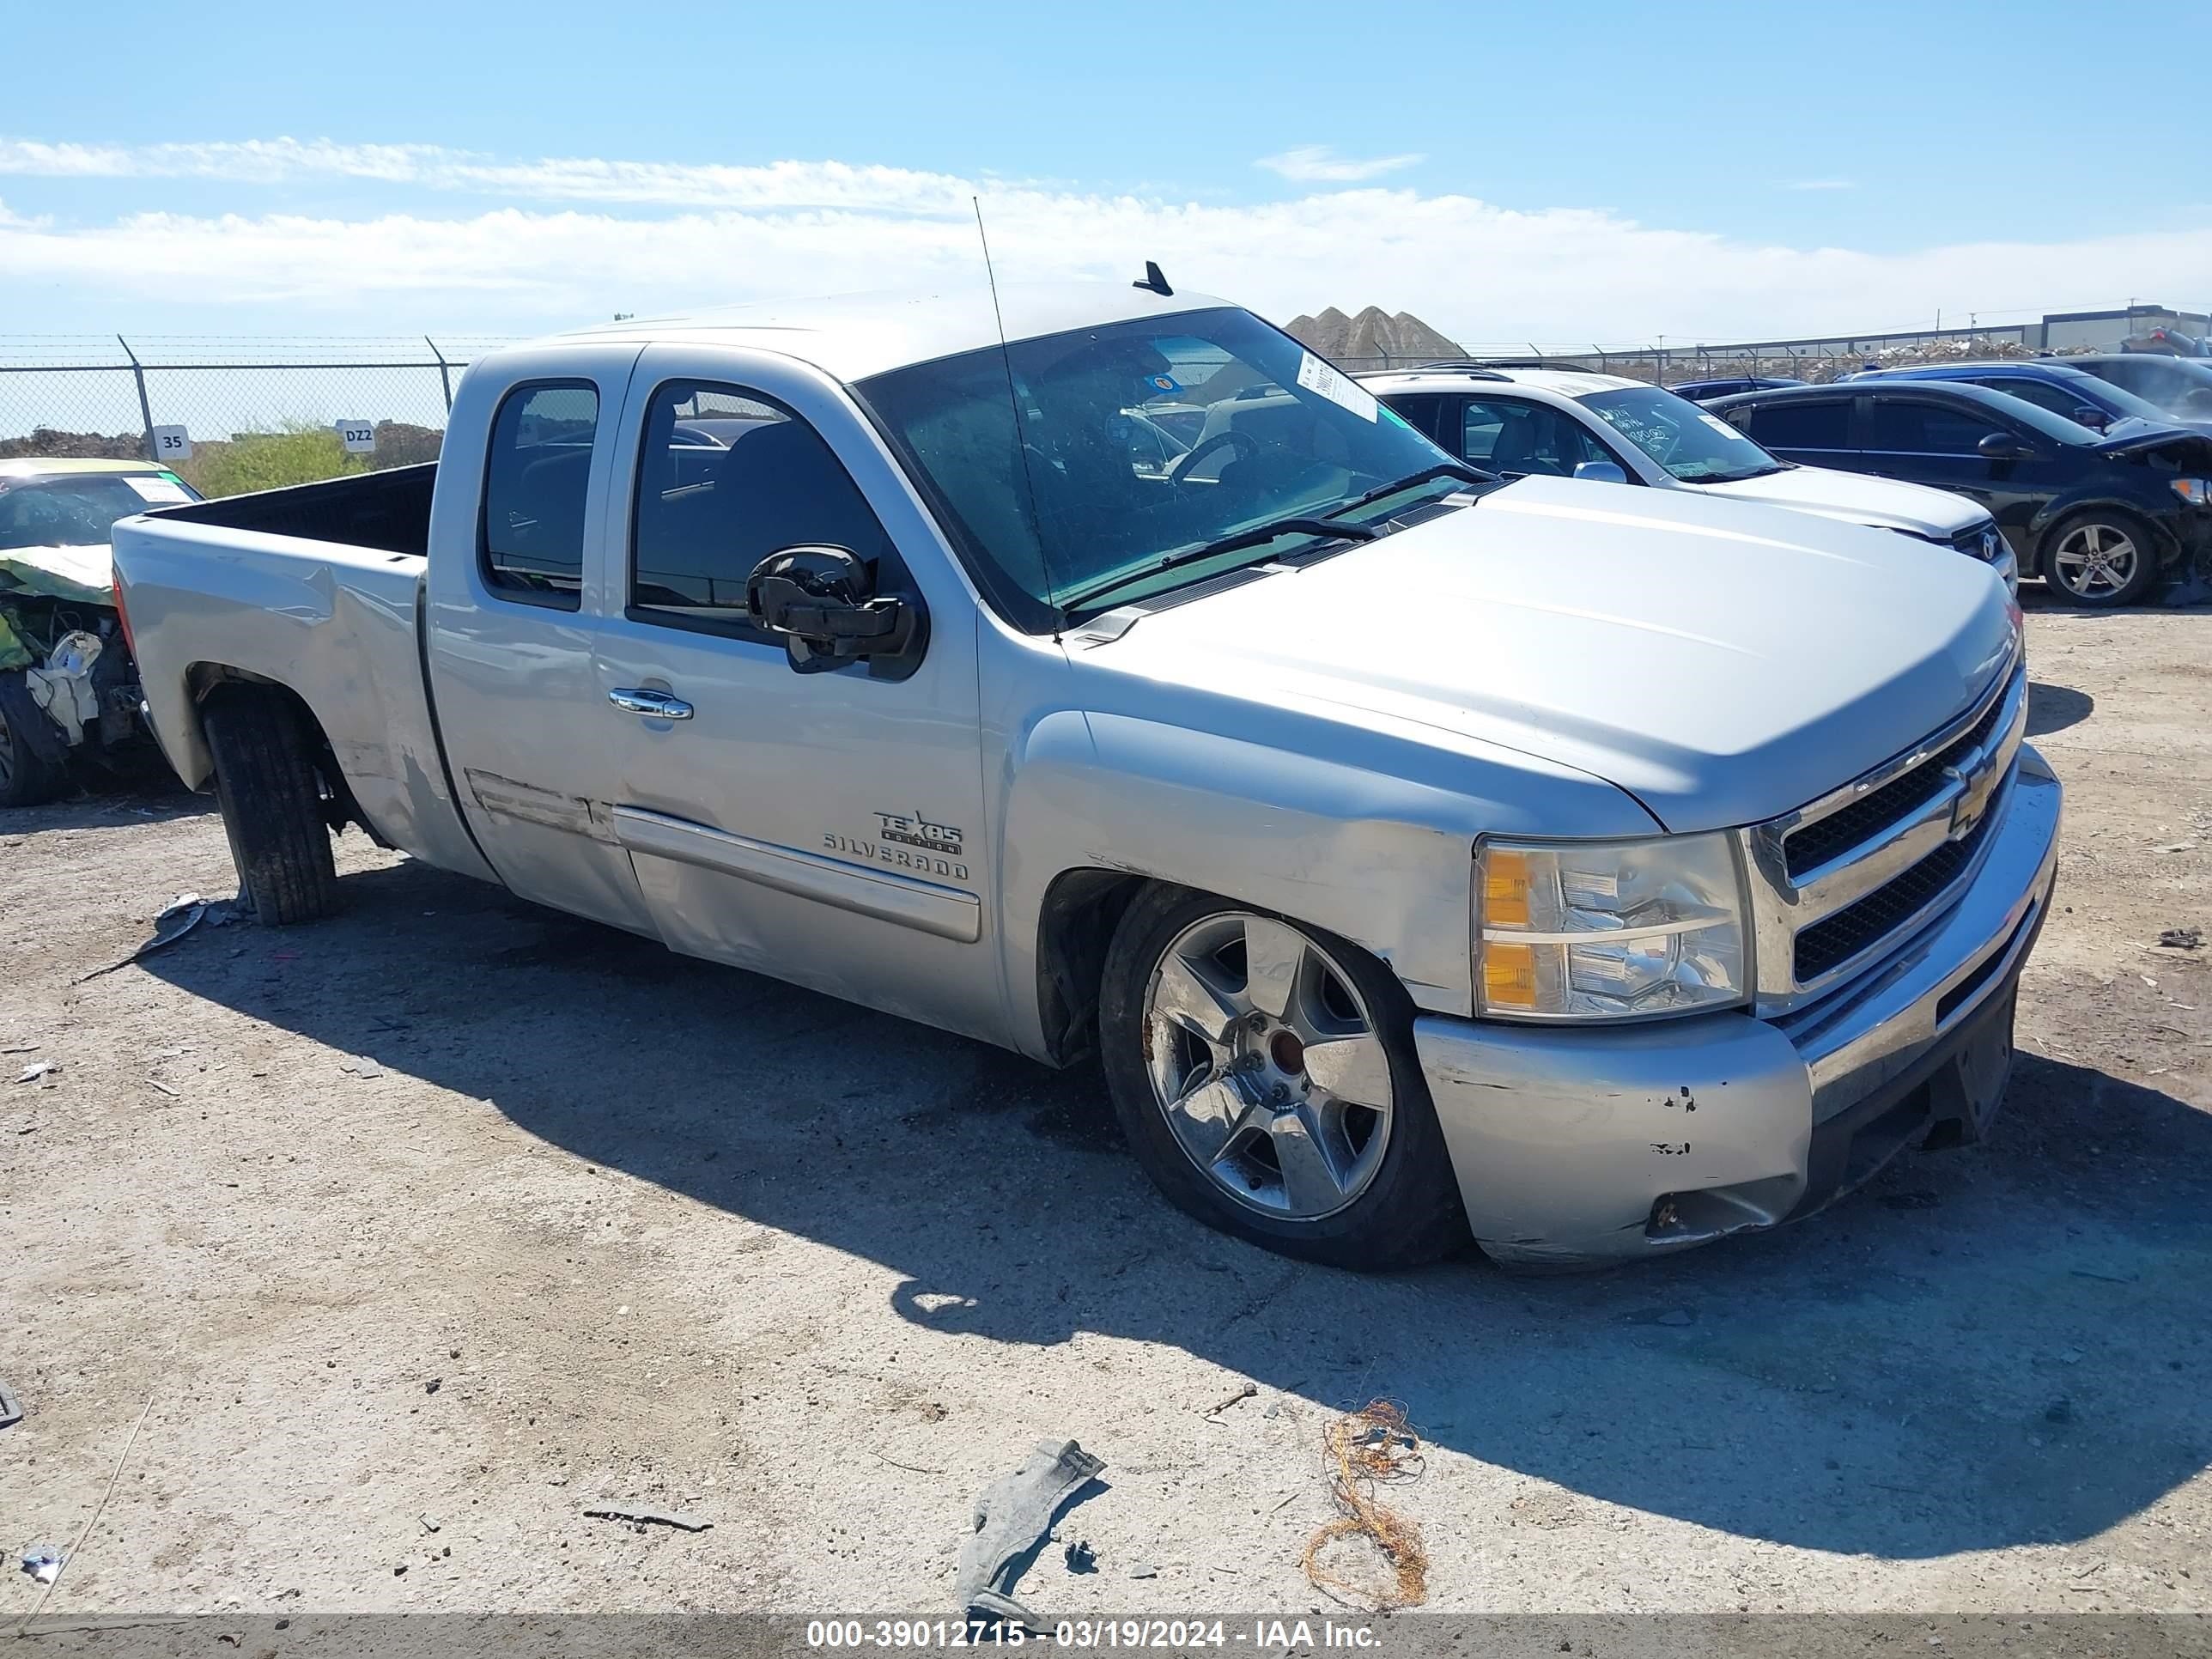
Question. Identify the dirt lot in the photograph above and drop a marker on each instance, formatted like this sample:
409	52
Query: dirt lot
587	1222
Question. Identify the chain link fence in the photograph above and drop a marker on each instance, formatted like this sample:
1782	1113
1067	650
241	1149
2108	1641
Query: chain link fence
231	415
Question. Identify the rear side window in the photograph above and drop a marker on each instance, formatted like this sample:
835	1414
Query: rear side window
536	480
726	479
1825	425
1927	428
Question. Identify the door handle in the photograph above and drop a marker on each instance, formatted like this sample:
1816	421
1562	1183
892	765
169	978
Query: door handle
652	705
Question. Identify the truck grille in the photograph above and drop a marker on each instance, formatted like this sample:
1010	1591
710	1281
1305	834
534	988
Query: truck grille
1836	939
1827	838
1840	883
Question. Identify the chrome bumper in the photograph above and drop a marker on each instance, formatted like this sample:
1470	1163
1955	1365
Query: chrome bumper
1592	1145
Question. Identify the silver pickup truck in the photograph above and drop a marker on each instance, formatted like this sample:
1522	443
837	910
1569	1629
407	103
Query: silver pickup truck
1599	873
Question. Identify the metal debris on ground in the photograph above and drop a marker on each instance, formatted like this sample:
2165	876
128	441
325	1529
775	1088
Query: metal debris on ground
1011	1518
165	1088
1080	1557
43	1563
360	1066
1244	1393
11	1409
2182	938
651	1518
39	1068
183	914
1364	1449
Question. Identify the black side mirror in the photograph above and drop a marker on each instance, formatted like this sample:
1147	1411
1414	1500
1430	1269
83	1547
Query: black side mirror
2003	447
2095	419
821	601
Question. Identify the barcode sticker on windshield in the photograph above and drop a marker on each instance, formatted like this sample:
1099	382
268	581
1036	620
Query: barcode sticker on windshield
1316	376
164	491
1720	425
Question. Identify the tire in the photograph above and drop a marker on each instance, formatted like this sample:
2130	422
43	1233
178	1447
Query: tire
2079	557
272	808
1288	1145
28	778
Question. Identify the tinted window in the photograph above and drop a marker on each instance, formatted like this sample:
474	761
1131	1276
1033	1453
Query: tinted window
1819	425
1927	428
725	480
535	482
2059	399
1507	435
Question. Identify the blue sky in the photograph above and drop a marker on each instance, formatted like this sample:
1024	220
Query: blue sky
1594	171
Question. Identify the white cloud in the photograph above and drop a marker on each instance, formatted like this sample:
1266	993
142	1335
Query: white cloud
645	237
1823	183
1321	164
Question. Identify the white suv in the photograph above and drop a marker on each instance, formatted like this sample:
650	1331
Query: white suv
1572	423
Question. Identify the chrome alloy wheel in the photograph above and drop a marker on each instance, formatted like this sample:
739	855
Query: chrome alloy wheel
1267	1066
2095	561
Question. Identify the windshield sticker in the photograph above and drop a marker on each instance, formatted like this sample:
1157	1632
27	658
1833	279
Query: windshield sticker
1720	425
1165	383
1316	376
167	491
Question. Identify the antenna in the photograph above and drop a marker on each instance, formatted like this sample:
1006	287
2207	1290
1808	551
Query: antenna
1014	397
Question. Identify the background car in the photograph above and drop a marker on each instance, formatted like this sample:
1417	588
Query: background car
1576	424
1699	391
2100	515
67	687
2179	386
2066	391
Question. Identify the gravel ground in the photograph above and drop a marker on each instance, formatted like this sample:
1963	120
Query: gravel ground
414	1234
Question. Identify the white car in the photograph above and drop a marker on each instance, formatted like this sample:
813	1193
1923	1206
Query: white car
1572	423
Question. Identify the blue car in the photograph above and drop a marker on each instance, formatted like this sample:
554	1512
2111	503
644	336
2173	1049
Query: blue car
2049	384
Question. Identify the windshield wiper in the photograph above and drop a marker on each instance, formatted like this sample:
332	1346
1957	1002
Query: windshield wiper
1442	470
1297	523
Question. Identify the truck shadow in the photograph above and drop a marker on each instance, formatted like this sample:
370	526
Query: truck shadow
2000	1346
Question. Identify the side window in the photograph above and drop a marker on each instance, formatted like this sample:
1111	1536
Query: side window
1481	424
2056	399
726	479
1507	435
1825	424
1422	410
531	542
1927	428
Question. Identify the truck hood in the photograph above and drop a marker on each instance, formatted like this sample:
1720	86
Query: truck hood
82	575
1722	662
1855	498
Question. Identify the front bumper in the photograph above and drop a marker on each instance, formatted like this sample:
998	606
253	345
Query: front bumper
1585	1146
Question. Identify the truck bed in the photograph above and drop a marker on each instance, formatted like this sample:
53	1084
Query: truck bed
318	589
387	511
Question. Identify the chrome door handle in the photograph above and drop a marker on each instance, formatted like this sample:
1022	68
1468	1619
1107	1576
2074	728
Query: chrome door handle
653	705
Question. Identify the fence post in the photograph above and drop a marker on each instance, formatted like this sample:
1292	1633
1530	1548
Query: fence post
445	379
145	408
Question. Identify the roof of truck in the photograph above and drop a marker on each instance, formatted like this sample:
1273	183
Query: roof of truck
854	336
32	467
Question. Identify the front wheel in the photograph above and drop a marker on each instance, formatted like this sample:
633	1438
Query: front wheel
28	778
1264	1072
2102	556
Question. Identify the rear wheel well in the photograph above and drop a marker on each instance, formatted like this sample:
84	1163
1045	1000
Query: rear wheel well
212	683
1081	908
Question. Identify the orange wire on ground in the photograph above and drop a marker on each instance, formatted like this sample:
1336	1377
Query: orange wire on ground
1364	1449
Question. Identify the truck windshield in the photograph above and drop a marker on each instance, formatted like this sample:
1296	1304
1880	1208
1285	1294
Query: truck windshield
1693	444
78	510
1139	443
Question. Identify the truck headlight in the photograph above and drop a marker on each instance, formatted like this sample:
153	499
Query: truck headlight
1609	930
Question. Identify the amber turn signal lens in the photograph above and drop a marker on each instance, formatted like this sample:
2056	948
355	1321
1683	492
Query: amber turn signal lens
1505	888
1508	975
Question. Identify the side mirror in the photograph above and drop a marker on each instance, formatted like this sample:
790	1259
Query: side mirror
1600	473
822	603
2003	447
2095	419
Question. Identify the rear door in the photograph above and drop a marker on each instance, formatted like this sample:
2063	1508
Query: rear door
513	569
1514	437
824	828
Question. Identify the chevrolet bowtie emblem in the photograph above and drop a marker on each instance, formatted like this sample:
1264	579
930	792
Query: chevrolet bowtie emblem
1975	783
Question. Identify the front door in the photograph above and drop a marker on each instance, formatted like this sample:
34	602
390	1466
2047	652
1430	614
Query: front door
826	828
